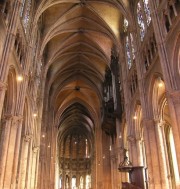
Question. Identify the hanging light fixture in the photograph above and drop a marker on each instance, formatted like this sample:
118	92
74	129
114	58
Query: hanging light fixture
125	165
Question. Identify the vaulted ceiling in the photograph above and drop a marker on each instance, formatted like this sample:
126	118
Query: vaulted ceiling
78	36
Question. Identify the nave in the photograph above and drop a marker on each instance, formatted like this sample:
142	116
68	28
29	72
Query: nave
89	94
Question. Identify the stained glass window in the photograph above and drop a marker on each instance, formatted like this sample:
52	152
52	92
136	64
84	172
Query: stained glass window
27	15
22	8
125	26
74	182
88	181
81	182
143	16
147	11
128	53
140	20
132	46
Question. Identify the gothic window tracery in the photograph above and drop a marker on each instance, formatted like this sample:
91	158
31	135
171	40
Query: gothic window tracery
128	53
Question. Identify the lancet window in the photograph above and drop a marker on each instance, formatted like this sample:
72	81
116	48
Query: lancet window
147	11
129	45
125	25
143	17
25	13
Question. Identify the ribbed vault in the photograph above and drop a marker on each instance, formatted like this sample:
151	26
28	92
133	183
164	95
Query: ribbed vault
77	40
76	124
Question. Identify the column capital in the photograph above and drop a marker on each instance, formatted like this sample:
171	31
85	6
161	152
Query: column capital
8	117
16	119
134	139
131	138
3	86
27	137
12	117
35	149
159	123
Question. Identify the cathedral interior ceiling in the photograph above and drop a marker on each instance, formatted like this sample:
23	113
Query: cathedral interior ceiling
77	40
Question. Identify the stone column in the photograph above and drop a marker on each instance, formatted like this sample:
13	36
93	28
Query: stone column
162	125
98	155
16	156
155	158
8	149
151	154
3	88
34	164
174	109
29	165
114	172
162	155
23	160
4	145
36	170
139	147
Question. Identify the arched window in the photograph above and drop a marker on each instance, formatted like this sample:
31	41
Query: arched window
147	11
81	182
125	25
60	182
67	182
74	182
88	181
25	13
129	45
143	17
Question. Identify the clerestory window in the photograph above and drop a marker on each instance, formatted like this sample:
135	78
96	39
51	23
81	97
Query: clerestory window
25	13
143	17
